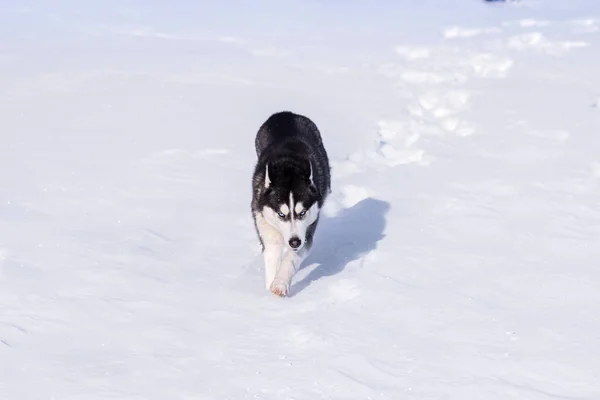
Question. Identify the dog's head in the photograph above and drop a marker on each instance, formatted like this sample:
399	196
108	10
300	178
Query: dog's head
290	201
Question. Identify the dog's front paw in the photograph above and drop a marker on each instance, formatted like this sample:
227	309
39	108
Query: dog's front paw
279	288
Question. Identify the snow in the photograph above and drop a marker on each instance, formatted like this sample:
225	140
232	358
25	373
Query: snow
458	257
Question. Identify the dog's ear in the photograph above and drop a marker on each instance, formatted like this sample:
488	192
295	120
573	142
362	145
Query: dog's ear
310	176
267	180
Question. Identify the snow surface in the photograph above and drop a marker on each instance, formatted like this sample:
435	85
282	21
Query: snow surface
459	257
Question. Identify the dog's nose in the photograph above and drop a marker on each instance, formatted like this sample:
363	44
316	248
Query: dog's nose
295	242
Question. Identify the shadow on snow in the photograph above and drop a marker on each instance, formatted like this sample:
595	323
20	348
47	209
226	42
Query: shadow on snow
339	240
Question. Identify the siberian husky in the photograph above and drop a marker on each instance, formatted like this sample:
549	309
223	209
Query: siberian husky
290	183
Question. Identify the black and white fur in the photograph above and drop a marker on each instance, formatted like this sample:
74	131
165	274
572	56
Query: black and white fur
290	184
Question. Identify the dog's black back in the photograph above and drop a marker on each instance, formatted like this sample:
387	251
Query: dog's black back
291	144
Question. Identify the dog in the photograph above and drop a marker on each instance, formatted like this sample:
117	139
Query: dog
290	183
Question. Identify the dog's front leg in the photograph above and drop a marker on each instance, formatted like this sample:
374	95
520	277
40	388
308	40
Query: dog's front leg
272	242
272	258
289	265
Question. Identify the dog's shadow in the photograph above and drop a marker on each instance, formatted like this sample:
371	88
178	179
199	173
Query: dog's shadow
344	238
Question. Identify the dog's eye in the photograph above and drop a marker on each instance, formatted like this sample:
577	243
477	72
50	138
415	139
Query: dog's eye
302	213
281	215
